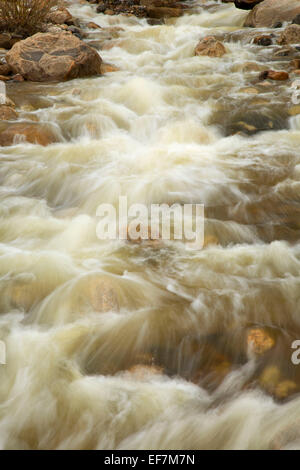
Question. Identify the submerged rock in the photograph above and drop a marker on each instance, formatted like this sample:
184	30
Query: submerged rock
53	57
7	113
99	293
211	47
28	132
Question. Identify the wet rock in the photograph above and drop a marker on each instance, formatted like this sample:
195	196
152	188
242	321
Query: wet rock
284	52
92	25
27	132
291	35
210	240
247	121
142	372
5	69
211	47
76	31
155	21
9	102
213	367
259	341
247	67
249	90
17	78
101	9
284	389
295	64
53	57
7	113
274	75
246	4
294	110
263	40
156	9
271	13
296	20
107	68
61	16
270	378
99	293
163	12
272	382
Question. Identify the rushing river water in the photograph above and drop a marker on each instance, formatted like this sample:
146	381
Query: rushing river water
113	344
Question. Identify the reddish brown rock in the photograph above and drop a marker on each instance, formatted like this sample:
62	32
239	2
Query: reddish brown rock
272	13
211	47
5	69
274	75
28	132
263	40
53	57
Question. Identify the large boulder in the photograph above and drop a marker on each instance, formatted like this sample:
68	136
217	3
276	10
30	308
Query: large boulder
272	13
246	4
53	57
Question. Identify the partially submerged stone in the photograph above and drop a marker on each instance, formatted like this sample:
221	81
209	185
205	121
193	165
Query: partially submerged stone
259	341
291	35
211	47
60	16
278	75
294	110
27	132
53	57
142	372
7	113
272	13
99	293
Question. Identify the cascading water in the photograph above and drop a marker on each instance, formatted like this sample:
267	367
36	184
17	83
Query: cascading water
119	345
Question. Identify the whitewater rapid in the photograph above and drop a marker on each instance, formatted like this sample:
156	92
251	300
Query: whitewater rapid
153	131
